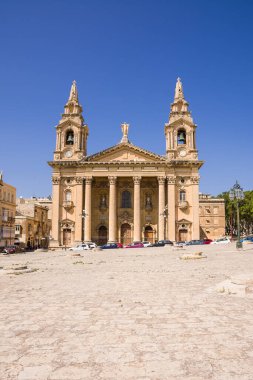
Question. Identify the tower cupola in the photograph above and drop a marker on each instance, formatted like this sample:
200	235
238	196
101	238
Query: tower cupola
71	132
180	130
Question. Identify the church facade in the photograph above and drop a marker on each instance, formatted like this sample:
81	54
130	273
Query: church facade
125	193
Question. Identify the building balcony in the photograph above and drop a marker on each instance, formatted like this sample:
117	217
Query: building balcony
68	204
183	205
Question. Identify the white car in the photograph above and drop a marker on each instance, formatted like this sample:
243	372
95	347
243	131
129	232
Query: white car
224	240
92	245
80	247
146	244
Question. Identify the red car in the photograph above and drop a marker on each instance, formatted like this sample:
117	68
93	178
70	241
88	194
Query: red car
207	241
9	249
119	245
135	244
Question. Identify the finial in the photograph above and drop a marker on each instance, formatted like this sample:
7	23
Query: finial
124	128
73	92
179	90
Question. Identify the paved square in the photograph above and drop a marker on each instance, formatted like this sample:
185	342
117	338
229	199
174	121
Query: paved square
127	314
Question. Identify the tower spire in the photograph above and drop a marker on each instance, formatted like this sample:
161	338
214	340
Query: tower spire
179	90
73	96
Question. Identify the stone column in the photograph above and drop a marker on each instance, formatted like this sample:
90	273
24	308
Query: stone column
195	207
87	205
171	208
78	210
112	210
54	242
161	208
137	208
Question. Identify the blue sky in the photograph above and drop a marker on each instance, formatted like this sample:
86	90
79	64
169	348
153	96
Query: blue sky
125	57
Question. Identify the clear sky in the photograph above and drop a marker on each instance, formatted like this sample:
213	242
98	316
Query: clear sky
125	56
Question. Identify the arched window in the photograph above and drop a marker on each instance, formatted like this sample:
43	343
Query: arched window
68	196
69	137
181	137
126	199
182	196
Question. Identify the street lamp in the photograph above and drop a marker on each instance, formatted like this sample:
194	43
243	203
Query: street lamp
84	214
236	193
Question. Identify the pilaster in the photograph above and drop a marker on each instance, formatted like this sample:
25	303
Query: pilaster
112	210
54	242
171	208
161	207
137	209
195	207
87	219
78	209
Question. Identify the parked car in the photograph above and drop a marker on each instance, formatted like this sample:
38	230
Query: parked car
92	245
119	245
162	243
135	244
110	246
9	249
146	244
224	240
80	247
248	239
180	244
195	242
207	241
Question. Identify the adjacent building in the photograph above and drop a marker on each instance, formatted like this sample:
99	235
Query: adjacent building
211	216
32	227
7	213
126	193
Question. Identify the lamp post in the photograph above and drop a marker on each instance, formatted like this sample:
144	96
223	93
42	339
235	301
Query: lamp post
84	214
236	193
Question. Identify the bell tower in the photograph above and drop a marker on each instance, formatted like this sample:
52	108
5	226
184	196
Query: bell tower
71	132
180	130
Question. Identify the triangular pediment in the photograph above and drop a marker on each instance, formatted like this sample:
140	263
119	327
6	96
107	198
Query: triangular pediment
180	121
125	152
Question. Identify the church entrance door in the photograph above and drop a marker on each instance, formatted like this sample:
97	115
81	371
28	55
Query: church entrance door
67	236
102	235
125	234
183	235
149	234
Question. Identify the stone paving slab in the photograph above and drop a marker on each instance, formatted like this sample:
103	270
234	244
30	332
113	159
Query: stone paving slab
127	314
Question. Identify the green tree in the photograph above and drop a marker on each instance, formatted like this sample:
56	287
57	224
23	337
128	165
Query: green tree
246	213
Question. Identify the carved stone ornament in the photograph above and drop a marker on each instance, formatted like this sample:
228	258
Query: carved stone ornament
137	180
56	180
112	180
171	180
195	180
67	180
79	180
161	180
125	217
125	184
148	184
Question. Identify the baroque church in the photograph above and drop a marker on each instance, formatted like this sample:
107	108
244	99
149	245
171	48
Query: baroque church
126	193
